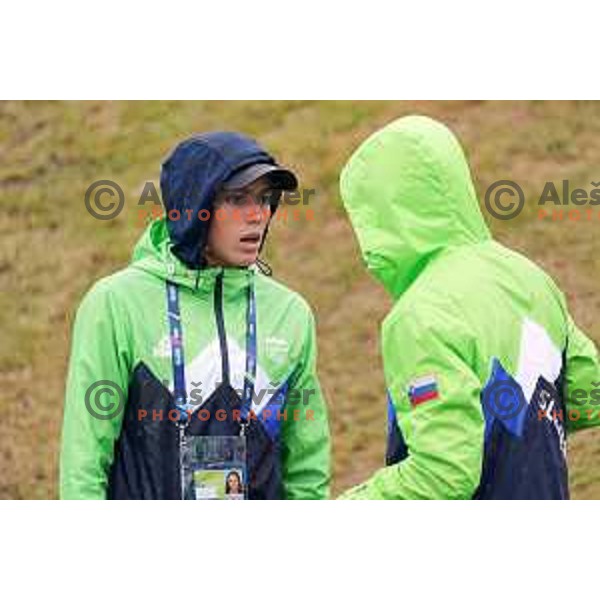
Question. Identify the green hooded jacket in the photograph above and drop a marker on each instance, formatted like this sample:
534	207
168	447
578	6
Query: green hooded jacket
121	338
484	367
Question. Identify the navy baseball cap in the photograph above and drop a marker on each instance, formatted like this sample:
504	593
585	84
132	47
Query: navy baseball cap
278	177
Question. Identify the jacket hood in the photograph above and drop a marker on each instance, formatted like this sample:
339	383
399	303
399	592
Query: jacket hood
409	194
190	178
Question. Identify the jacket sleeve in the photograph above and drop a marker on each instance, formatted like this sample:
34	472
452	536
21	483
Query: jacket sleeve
305	433
95	396
441	419
582	380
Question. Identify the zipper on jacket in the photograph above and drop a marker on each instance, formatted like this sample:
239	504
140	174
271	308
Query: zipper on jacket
221	331
221	327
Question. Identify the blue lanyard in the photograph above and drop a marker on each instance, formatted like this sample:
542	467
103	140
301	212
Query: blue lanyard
250	374
177	356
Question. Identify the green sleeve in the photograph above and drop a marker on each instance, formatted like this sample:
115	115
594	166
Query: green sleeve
99	353
305	434
444	435
582	379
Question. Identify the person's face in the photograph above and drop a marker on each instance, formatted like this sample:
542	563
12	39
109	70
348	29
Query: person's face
238	225
234	484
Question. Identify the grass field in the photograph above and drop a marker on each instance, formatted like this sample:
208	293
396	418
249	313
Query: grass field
51	249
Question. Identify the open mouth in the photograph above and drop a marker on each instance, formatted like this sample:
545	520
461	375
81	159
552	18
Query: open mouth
250	238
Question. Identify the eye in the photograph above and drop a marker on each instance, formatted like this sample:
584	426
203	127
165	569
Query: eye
236	199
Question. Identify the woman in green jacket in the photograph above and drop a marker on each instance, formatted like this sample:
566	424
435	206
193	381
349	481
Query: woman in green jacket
208	364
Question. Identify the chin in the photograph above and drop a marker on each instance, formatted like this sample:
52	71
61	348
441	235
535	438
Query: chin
246	260
243	262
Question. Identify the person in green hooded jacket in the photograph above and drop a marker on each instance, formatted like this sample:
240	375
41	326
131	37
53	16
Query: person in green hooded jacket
191	363
486	371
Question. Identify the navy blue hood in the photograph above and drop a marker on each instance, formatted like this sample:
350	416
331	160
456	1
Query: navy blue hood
190	178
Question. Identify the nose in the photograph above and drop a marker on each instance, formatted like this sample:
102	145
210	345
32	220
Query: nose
254	212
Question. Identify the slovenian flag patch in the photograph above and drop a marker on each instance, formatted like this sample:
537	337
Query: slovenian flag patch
423	389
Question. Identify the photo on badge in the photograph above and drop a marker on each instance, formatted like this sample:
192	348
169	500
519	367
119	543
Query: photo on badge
218	466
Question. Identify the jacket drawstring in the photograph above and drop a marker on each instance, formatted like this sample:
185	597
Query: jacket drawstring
264	267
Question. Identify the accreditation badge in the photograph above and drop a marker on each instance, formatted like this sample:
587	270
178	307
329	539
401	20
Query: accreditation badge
218	468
